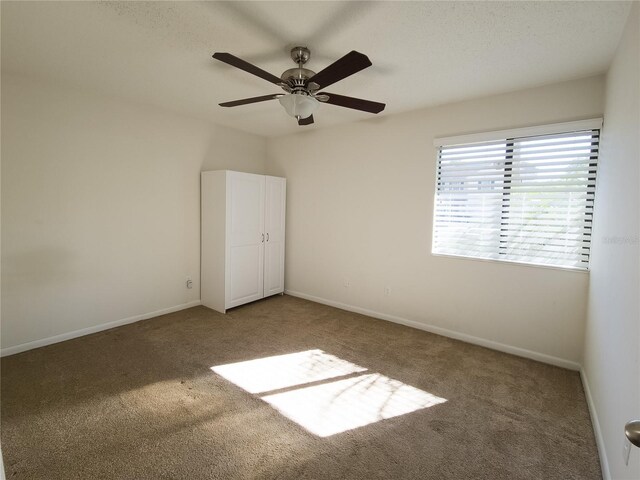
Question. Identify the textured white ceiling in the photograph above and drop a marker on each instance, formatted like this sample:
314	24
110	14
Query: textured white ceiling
423	53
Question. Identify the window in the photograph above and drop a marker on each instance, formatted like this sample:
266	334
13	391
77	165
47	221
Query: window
521	196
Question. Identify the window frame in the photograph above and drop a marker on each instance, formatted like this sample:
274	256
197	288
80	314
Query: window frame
508	136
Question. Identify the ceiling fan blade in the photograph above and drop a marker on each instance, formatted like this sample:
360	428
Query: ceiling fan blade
246	101
355	103
306	121
246	66
351	63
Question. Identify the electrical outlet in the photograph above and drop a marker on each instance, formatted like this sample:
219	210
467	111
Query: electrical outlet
387	291
626	451
346	283
189	282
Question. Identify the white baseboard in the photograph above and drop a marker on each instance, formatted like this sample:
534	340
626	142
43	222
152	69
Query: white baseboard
23	347
521	352
604	463
2	475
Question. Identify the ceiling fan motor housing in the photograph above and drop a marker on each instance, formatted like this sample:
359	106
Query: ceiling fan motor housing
296	78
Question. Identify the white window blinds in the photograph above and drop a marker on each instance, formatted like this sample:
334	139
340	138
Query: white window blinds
526	199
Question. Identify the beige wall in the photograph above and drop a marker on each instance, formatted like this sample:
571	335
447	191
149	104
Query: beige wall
100	207
359	211
612	343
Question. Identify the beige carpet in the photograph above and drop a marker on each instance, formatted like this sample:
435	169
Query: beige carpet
141	402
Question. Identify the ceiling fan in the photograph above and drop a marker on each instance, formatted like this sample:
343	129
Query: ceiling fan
302	85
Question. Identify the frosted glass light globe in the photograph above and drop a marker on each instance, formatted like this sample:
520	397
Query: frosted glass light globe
299	105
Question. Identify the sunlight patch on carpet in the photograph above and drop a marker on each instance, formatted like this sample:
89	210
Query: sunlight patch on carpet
333	405
343	405
283	371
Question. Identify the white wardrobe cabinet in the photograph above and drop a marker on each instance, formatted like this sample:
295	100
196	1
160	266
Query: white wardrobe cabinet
243	218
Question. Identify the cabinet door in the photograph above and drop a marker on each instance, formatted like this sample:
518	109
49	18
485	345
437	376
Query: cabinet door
274	229
245	238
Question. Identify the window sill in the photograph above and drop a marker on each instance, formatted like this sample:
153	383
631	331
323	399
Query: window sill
512	263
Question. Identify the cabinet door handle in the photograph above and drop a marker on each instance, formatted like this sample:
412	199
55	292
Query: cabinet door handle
267	237
263	238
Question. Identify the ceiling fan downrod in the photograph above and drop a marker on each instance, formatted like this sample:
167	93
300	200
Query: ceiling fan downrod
295	80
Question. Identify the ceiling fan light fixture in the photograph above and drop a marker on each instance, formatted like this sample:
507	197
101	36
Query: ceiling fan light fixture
302	85
299	105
